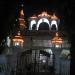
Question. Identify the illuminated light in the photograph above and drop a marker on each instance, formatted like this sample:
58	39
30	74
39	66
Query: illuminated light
18	33
18	40
21	19
57	40
54	17
22	13
57	46
31	24
22	24
42	20
17	44
43	61
54	22
33	17
44	14
8	41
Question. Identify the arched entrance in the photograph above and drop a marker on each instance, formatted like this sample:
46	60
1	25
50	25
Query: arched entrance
53	28
35	61
43	20
34	27
43	26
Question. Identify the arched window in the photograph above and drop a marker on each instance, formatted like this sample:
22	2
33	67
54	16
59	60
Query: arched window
32	23
54	24
43	26
42	20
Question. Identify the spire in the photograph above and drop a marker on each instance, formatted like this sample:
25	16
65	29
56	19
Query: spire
18	39
21	18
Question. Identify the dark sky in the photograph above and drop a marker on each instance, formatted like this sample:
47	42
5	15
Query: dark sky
8	9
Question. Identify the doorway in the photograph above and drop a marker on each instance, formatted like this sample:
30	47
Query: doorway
35	61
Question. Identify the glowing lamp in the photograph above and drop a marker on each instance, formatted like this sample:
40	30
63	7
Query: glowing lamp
22	13
57	40
18	40
44	14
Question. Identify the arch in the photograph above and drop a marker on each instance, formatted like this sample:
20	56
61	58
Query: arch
48	53
42	20
26	61
31	24
54	22
34	27
43	26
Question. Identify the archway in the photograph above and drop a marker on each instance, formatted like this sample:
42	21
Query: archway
34	61
54	24
43	26
32	23
41	21
34	27
53	28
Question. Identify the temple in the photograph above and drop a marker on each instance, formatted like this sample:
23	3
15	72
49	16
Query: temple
38	47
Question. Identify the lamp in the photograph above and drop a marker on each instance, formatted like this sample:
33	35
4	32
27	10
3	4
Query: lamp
57	41
18	39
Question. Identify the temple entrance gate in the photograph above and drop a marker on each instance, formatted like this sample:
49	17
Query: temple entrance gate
35	61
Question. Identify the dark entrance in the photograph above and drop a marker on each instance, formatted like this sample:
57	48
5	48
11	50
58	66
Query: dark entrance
33	62
43	26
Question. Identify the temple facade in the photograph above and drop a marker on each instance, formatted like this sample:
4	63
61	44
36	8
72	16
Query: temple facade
38	47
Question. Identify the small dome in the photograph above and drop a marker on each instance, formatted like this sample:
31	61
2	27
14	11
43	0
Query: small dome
57	39
18	39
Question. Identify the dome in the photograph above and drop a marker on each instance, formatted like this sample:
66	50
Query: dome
57	39
18	40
